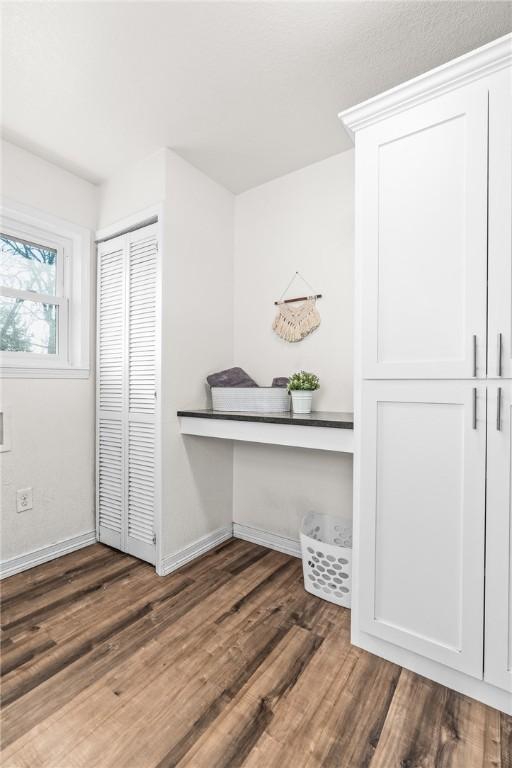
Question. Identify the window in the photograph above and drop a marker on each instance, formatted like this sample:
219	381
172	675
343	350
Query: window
32	315
44	307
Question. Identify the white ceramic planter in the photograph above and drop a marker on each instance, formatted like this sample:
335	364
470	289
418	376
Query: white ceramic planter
302	400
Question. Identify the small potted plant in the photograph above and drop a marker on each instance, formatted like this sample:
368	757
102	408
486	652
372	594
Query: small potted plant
301	387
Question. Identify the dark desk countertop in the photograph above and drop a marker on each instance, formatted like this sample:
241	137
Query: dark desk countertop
335	419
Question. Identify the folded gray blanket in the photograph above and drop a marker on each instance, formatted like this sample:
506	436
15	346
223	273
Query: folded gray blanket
280	381
231	377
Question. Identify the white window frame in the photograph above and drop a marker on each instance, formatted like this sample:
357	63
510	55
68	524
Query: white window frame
72	295
59	299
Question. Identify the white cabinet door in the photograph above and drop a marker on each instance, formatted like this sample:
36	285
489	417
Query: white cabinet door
498	604
422	517
500	225
421	202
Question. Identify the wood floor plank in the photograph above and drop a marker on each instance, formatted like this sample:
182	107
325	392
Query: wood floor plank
242	673
74	562
176	649
334	715
55	736
115	596
137	673
506	741
66	677
429	726
173	696
19	654
36	609
240	726
40	588
218	558
166	605
67	644
226	662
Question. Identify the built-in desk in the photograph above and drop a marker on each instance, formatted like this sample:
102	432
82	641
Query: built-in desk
322	430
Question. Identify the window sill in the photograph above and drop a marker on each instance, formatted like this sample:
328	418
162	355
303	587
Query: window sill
43	372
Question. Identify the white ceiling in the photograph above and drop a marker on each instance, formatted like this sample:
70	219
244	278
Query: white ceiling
246	91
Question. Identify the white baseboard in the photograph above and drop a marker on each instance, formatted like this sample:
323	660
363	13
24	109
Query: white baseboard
45	554
169	563
204	544
267	539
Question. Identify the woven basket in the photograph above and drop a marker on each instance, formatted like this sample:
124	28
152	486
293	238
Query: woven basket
246	399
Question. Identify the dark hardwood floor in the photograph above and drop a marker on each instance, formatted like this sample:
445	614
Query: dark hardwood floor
227	662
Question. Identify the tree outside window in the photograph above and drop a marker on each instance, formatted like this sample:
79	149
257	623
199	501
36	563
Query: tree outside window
28	307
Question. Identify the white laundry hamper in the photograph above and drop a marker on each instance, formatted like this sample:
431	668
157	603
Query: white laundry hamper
326	544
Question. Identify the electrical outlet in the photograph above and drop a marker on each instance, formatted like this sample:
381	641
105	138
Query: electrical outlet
23	499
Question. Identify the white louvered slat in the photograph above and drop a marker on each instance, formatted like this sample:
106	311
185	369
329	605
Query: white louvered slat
110	475
141	481
110	329
142	326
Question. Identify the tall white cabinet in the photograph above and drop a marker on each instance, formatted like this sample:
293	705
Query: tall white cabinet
127	423
433	409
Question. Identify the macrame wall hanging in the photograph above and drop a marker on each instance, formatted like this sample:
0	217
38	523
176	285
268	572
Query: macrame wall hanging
293	323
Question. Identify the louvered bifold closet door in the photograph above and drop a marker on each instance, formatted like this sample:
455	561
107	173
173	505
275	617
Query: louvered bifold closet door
142	350
110	392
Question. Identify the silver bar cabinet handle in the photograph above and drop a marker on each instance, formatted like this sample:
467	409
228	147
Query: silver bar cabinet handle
498	411
474	407
474	354
500	347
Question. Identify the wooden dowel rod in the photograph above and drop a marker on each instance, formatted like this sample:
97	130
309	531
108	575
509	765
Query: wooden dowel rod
299	298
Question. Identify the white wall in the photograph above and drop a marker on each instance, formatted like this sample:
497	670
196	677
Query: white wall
52	421
198	339
216	312
302	221
133	189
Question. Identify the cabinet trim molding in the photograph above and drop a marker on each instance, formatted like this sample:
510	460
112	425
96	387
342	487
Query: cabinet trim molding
455	74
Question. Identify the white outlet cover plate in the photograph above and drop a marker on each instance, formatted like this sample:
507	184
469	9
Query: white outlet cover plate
23	499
